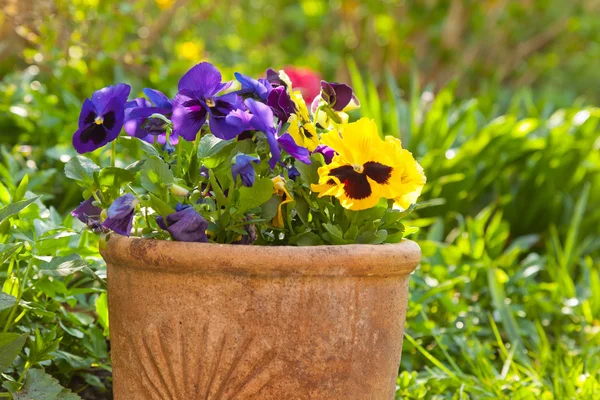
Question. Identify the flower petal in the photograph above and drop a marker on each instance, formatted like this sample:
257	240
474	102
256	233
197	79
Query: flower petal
189	114
287	143
185	225
157	98
101	98
203	78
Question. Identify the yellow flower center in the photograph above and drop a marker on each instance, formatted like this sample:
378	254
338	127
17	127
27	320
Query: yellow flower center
358	168
99	120
210	102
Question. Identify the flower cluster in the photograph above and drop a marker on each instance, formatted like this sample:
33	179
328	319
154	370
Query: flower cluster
244	161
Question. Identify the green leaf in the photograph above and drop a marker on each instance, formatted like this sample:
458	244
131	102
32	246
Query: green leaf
115	177
371	237
82	170
336	236
6	301
64	266
160	206
255	196
146	147
10	347
15	208
102	311
210	145
21	189
309	172
155	175
4	194
41	386
6	251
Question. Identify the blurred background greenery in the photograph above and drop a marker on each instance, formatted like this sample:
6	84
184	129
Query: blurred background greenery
496	99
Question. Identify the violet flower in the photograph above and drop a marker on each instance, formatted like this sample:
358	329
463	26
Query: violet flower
138	122
257	87
242	166
88	213
185	225
337	95
120	214
197	99
260	118
101	118
326	151
281	103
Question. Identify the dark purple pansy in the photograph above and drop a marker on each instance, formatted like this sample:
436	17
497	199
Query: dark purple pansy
274	79
197	99
88	213
242	167
260	118
256	87
185	225
138	122
293	173
326	151
120	214
281	103
337	95
101	118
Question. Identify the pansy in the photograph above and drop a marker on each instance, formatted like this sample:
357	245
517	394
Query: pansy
120	214
280	190
242	166
365	168
412	176
331	105
138	122
281	103
260	118
326	151
185	225
101	118
253	87
301	128
88	213
197	99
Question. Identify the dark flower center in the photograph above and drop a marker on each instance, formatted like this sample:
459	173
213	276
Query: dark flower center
96	131
356	184
155	126
306	133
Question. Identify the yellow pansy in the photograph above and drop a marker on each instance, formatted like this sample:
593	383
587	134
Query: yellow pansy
367	168
280	190
304	134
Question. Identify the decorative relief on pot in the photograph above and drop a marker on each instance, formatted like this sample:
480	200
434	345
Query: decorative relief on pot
182	361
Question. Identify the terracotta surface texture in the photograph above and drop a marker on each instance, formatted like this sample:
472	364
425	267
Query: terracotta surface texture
207	321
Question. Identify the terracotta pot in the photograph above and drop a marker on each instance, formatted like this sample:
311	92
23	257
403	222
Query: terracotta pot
205	321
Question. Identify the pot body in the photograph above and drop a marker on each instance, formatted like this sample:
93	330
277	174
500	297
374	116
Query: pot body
205	321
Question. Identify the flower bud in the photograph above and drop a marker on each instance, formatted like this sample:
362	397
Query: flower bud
177	190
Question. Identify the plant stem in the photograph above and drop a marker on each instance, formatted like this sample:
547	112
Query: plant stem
13	310
179	158
113	158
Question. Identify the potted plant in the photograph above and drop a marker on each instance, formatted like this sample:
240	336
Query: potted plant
256	250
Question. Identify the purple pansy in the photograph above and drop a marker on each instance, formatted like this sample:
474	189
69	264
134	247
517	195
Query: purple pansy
242	166
274	78
120	214
293	173
281	103
185	225
101	118
260	118
337	95
88	213
138	122
197	99
258	87
326	151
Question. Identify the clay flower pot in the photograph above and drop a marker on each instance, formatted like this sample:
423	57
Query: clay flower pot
208	321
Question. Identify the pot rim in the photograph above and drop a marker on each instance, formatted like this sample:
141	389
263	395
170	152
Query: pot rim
269	261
